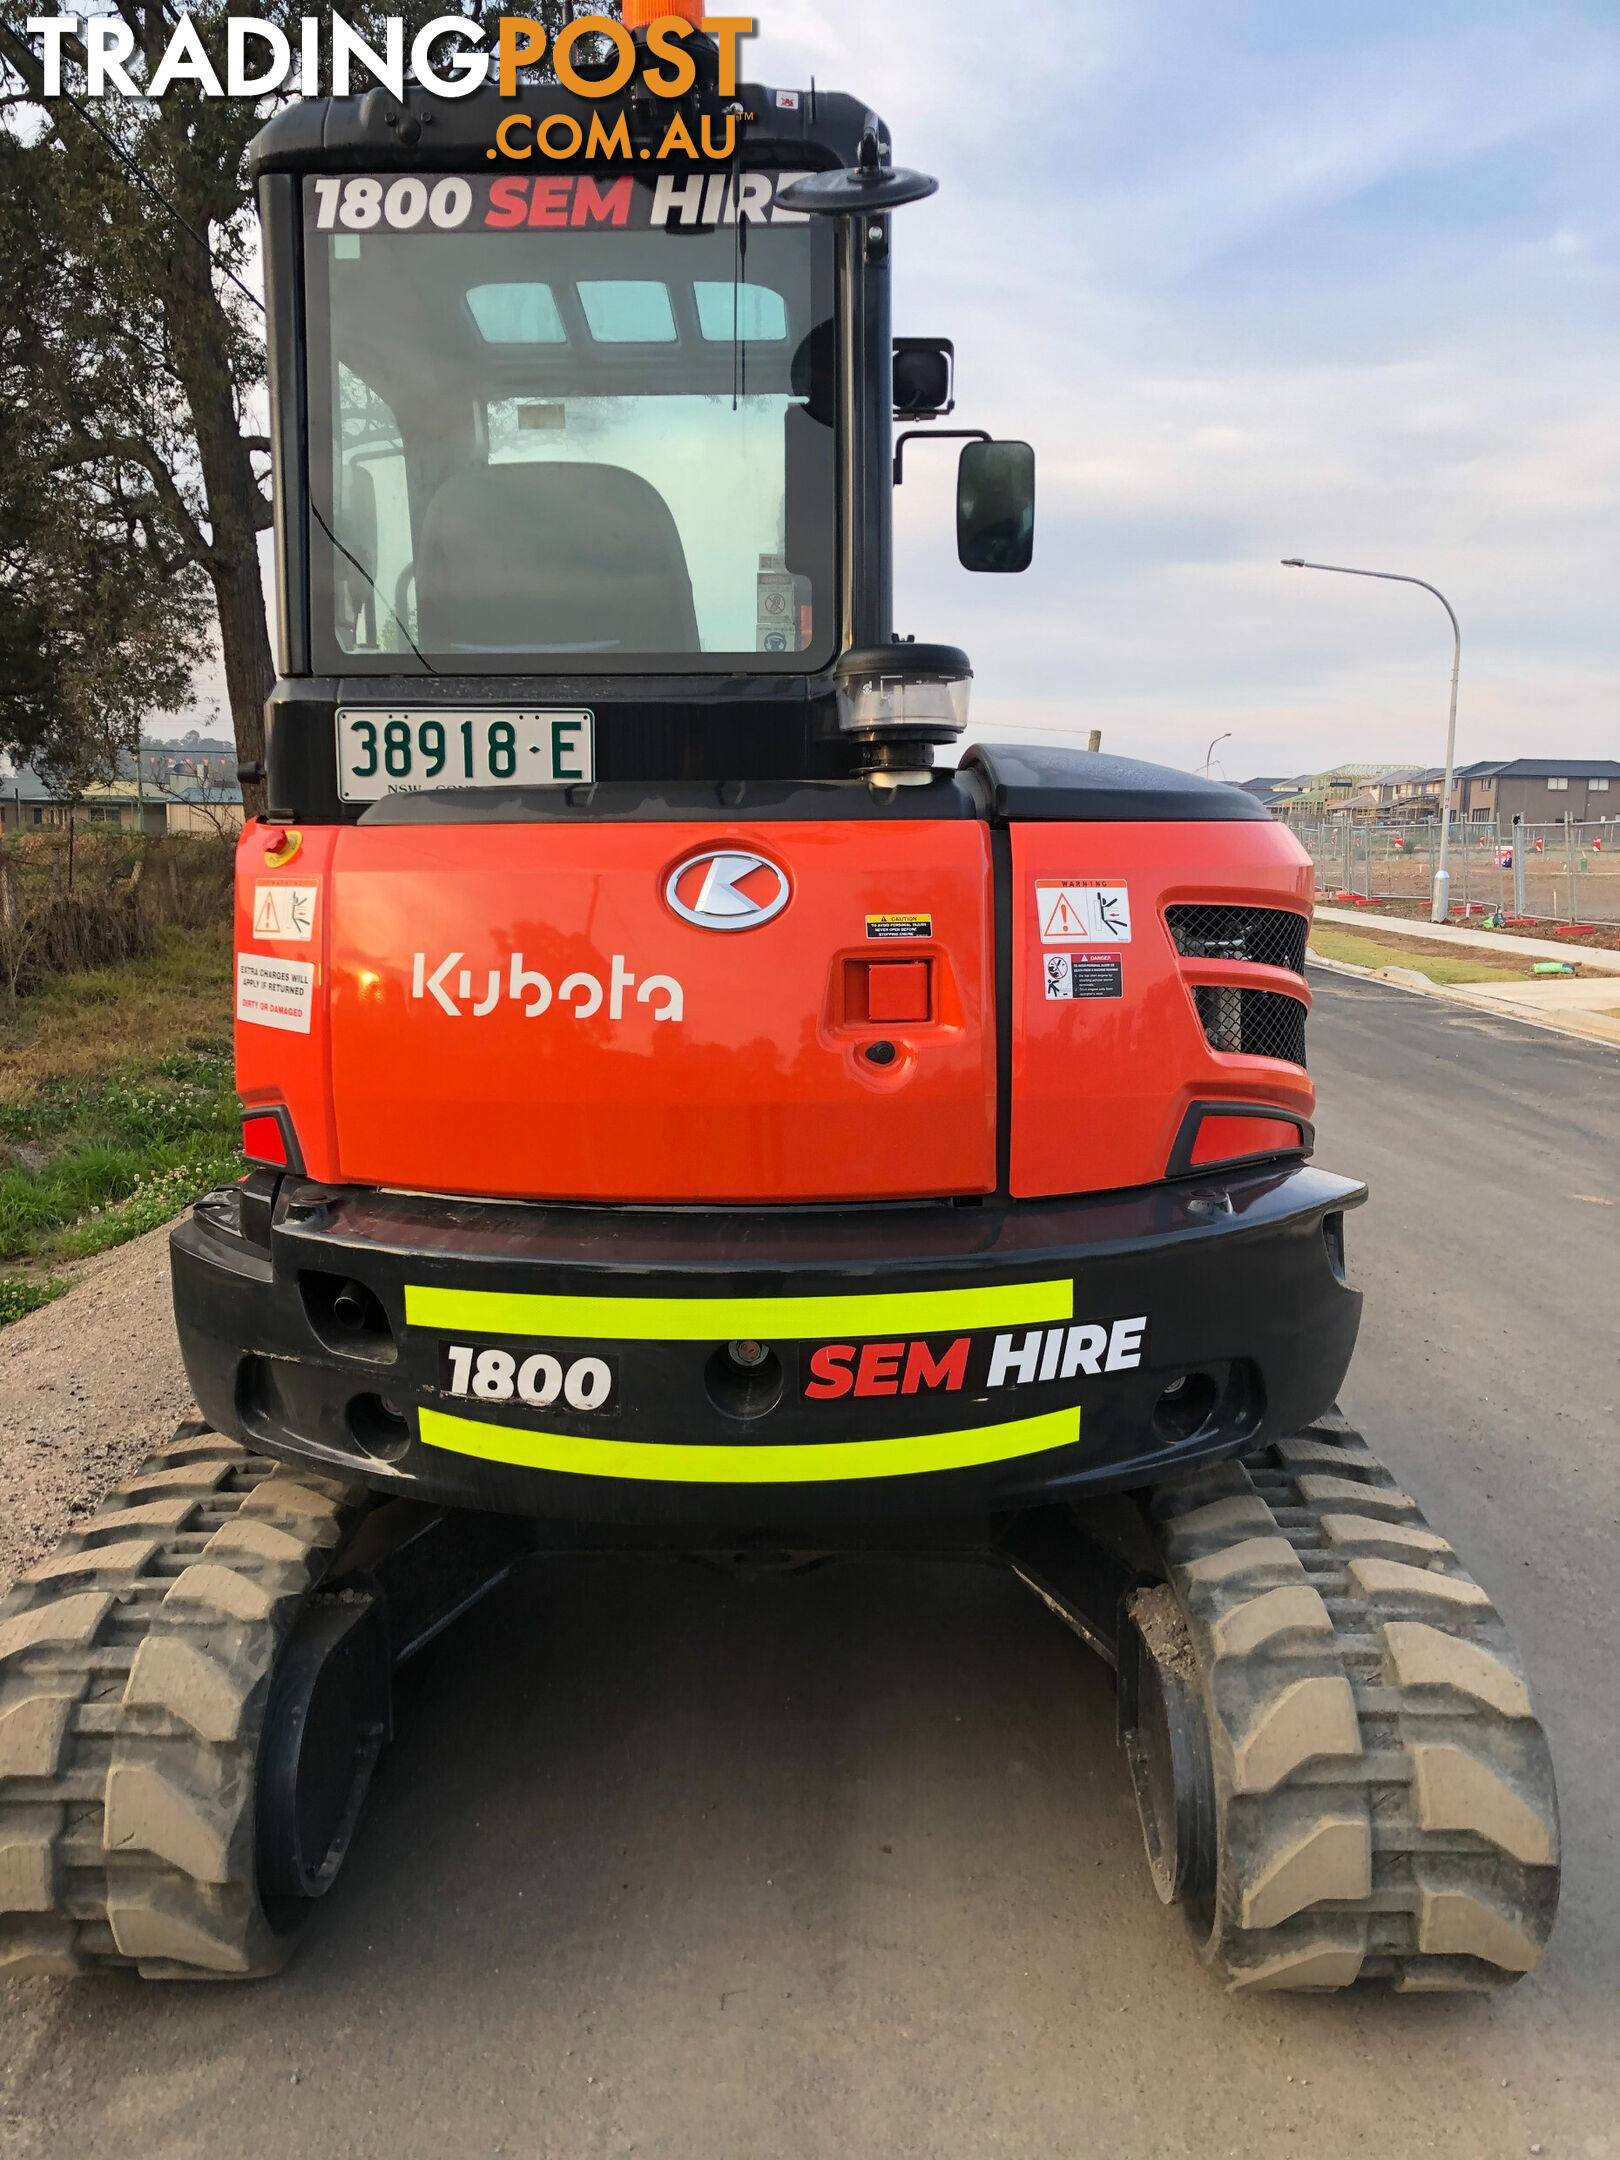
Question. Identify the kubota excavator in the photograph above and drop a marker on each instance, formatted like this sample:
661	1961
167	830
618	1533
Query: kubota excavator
684	1114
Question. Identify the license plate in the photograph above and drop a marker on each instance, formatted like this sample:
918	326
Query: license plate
402	753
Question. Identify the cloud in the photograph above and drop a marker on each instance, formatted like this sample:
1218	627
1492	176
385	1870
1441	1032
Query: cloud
1260	281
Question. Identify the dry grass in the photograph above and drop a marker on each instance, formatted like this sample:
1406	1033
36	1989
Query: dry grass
78	1026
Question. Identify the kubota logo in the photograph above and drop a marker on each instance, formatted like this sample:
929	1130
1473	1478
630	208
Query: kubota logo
520	985
728	890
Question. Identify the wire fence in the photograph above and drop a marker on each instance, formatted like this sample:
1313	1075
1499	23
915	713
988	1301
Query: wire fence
72	900
1564	873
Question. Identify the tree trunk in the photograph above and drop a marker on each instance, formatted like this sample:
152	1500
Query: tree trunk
249	670
200	340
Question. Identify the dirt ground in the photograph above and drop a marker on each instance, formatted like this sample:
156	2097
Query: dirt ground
1413	906
87	1387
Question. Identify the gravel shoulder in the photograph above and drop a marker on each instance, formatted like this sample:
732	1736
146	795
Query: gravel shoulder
88	1385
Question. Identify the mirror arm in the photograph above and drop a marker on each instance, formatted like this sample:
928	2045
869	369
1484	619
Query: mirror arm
953	434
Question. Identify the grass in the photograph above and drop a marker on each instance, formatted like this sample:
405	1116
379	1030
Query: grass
117	1107
18	1297
1360	950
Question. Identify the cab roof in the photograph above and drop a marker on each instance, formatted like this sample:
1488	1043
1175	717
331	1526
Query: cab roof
786	129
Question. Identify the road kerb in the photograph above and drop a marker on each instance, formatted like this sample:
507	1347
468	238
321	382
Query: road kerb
1585	1027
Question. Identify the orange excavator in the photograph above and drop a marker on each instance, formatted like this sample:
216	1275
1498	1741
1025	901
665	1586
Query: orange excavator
694	1105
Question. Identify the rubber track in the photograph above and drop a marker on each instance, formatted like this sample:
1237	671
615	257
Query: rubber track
1385	1795
134	1669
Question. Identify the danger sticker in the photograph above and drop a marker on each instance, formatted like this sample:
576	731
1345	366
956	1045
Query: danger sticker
275	993
284	913
899	926
1088	913
1083	975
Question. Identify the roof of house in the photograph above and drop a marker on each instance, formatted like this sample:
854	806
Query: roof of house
196	791
1274	788
21	783
1530	768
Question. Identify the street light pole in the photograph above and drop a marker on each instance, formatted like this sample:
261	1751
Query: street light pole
1442	878
1214	746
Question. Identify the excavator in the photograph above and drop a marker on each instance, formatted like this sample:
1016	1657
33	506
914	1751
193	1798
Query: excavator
695	1104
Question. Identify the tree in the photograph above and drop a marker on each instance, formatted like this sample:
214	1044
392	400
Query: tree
147	405
101	610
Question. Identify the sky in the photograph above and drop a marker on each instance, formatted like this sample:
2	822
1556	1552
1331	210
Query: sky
1261	280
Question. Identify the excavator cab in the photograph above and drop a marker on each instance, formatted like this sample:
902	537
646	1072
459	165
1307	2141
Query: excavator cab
688	1110
609	440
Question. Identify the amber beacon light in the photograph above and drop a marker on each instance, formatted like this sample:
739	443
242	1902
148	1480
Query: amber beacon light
639	13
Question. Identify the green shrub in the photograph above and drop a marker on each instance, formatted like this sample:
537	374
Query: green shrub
17	1298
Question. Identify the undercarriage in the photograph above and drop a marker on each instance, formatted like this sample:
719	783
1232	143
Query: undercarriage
1336	1765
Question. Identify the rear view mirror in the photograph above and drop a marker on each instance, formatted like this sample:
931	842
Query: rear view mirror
995	506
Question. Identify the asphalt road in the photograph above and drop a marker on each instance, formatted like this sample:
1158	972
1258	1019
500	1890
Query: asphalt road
844	1864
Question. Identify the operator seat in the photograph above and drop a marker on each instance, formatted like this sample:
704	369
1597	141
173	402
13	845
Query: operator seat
551	557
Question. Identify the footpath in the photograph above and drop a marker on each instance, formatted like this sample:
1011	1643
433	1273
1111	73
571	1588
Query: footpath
1587	1005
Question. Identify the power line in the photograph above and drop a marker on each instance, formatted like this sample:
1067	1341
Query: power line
150	185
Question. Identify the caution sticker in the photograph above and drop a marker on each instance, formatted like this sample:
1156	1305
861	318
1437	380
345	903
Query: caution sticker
1083	975
1083	912
275	993
899	926
284	914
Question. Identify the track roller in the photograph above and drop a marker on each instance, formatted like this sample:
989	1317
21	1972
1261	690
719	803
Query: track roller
1336	1763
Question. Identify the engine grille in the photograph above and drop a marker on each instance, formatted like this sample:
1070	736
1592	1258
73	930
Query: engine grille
1255	1023
1266	937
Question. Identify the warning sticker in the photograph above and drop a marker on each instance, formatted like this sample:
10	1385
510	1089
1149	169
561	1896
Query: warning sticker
284	913
899	926
1083	975
1083	913
275	993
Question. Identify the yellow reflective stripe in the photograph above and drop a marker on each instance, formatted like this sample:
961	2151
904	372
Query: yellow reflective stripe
833	1461
711	1319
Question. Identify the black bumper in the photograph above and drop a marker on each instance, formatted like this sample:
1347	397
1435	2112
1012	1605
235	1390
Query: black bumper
1240	1282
